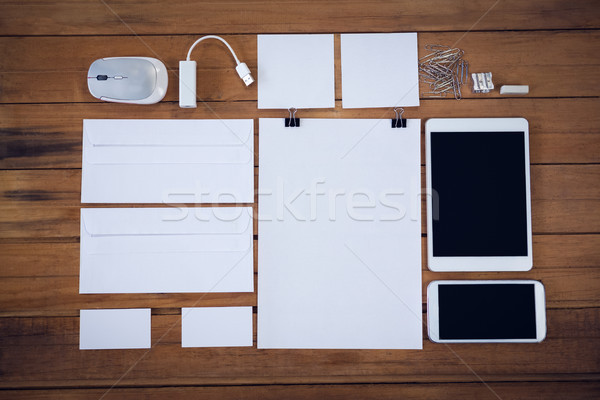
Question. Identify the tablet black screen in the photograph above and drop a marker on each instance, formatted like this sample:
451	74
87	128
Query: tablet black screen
479	194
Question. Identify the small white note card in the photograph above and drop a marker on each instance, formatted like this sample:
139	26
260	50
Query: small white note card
114	329
216	327
296	71
379	70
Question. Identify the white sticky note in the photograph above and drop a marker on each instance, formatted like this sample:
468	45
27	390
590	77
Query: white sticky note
216	326
166	250
114	329
167	161
379	70
339	253
296	71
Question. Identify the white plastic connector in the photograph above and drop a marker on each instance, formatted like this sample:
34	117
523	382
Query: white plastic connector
244	73
187	84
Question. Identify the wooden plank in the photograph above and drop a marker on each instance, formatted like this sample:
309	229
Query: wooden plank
27	260
49	136
493	390
50	187
564	288
41	279
564	252
28	202
78	17
38	259
59	295
42	204
43	352
34	69
39	210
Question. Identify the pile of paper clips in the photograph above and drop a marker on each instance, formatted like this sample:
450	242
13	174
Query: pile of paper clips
444	70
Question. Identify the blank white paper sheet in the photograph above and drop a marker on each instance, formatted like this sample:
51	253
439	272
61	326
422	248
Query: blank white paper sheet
296	71
114	329
167	161
166	250
379	70
216	327
340	235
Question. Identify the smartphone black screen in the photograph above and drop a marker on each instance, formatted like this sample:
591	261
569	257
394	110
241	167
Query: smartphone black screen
479	194
488	311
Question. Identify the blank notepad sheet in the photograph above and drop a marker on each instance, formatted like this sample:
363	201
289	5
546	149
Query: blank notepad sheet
379	70
296	71
114	329
216	326
340	235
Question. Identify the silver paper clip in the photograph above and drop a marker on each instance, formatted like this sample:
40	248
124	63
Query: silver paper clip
444	70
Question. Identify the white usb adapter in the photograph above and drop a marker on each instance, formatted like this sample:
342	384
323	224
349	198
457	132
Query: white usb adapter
187	74
187	84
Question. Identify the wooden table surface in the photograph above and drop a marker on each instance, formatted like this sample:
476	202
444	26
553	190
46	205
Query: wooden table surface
46	48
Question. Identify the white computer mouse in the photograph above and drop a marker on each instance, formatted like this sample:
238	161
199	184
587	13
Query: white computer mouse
135	80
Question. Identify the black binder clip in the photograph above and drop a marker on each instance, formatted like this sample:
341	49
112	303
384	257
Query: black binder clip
292	121
399	122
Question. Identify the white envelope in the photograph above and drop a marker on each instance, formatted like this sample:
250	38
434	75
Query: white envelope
166	250
167	161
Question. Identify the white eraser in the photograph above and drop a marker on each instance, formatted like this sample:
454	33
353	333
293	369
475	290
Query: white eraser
187	84
514	89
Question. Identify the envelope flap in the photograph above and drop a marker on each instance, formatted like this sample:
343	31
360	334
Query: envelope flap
98	222
167	132
115	141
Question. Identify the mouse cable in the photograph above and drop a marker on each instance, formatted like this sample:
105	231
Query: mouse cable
241	68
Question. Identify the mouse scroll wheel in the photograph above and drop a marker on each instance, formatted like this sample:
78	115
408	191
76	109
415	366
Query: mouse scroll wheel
102	77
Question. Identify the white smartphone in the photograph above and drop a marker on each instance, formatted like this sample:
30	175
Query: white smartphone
492	311
478	194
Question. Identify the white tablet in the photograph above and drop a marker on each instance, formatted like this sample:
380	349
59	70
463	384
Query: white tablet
478	194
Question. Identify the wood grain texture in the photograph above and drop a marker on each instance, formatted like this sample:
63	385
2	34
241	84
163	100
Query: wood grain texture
59	295
79	17
41	279
31	72
46	48
441	391
52	358
45	203
34	259
49	135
